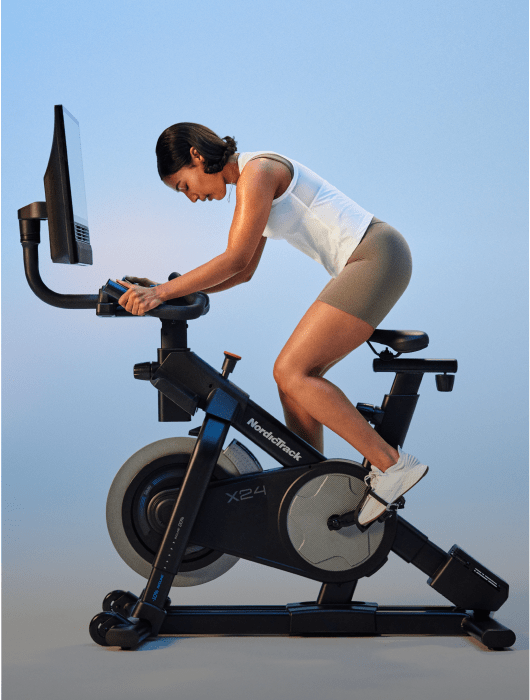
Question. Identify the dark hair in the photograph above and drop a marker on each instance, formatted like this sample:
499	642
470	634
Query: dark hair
173	148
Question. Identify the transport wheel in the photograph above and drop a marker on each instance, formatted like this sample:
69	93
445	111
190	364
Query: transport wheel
101	624
120	602
142	497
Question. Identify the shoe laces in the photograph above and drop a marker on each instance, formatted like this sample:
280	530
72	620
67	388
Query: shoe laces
371	480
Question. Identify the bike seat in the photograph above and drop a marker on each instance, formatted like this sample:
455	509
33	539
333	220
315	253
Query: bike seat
401	341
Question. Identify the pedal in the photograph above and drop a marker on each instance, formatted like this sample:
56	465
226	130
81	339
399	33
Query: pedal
373	414
398	504
390	509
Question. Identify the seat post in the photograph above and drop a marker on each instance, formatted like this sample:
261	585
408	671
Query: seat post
406	384
399	406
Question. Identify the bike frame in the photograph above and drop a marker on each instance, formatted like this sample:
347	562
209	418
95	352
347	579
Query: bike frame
190	383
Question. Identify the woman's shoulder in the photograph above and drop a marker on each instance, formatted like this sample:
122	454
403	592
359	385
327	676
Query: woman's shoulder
265	158
244	158
274	166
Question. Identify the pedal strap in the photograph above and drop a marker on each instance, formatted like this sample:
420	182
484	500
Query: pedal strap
389	507
396	505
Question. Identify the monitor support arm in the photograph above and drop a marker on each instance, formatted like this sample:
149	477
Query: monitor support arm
29	222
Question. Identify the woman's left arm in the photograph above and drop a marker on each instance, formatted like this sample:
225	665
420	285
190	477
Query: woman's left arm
256	187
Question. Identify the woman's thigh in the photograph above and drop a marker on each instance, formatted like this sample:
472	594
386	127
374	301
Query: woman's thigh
350	306
324	336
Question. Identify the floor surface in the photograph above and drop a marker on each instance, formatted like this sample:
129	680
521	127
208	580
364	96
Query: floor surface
48	655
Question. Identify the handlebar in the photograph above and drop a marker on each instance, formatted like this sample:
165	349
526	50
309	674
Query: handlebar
183	309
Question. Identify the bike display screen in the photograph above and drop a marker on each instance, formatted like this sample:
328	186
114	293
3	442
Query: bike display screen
75	167
64	184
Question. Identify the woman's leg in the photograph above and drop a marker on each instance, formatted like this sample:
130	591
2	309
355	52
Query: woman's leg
323	337
299	420
343	317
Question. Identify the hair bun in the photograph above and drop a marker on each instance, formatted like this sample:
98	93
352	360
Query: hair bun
230	144
230	149
175	143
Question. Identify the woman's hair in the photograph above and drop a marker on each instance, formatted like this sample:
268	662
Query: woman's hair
173	148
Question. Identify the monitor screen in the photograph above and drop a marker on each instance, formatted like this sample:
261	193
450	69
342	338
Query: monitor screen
64	185
75	167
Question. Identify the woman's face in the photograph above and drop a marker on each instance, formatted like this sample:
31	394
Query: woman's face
195	183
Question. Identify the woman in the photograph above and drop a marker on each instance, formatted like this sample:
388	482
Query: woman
368	260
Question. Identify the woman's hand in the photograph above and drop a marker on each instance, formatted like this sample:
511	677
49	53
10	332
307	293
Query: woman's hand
138	300
142	281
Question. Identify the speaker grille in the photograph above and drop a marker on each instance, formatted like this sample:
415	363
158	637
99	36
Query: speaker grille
81	234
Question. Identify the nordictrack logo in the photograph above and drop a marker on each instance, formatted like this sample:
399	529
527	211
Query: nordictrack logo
275	440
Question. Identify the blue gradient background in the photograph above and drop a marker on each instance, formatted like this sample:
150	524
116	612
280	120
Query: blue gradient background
416	110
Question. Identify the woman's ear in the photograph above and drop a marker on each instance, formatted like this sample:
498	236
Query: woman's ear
195	155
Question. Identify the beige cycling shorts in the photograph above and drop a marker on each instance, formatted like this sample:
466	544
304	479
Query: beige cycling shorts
374	277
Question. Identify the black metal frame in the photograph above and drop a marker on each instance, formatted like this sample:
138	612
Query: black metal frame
186	383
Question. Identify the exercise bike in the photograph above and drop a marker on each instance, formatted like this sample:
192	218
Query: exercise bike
182	511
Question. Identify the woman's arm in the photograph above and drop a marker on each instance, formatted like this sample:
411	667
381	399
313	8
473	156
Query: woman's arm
243	276
256	187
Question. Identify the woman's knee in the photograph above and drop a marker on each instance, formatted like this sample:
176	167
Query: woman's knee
280	372
288	375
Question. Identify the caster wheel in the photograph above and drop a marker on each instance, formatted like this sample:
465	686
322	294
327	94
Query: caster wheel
120	602
102	623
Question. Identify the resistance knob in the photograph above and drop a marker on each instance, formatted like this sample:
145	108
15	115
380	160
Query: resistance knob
230	362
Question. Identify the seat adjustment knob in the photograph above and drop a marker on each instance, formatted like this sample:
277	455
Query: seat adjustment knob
145	370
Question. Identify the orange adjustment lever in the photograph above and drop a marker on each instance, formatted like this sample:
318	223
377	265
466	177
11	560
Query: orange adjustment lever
230	362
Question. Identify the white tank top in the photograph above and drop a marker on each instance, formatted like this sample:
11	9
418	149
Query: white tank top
315	217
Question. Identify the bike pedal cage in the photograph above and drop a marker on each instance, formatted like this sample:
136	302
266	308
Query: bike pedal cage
398	504
390	508
337	522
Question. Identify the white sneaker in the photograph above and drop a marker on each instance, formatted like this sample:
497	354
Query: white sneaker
390	485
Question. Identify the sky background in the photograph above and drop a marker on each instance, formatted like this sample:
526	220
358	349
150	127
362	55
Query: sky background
416	110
